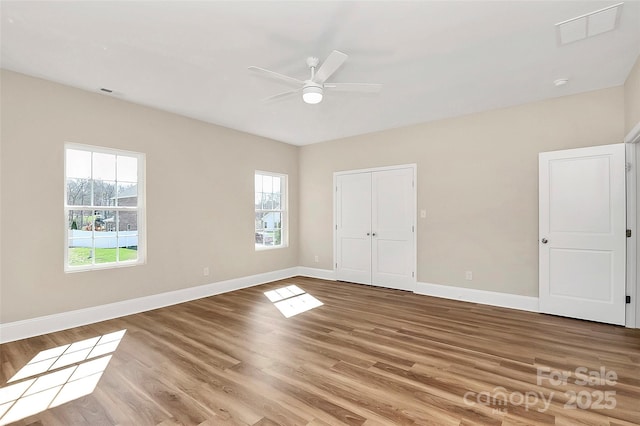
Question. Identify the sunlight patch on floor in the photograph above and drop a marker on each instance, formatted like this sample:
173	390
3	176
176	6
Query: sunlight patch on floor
292	300
56	376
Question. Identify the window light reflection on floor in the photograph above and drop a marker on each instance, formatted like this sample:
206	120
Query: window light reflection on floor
56	376
292	300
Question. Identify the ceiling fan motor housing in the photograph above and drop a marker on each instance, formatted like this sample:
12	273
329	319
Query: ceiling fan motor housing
312	92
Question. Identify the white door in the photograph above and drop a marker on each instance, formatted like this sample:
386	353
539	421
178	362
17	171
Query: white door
392	216
375	217
583	233
353	228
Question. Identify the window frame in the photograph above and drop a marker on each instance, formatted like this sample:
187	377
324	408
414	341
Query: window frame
140	209
284	210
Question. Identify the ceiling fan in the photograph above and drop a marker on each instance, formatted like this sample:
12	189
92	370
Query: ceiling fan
313	88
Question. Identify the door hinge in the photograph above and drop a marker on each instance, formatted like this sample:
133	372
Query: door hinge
413	228
336	189
336	264
336	227
627	166
628	233
627	299
413	274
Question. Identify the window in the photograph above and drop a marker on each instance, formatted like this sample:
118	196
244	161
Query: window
104	205
271	210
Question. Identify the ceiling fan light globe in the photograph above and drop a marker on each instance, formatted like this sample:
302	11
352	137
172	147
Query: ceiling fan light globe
312	98
312	95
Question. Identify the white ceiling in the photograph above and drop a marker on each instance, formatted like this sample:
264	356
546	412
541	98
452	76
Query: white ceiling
435	59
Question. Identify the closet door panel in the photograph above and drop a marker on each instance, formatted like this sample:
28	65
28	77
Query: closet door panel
392	217
353	228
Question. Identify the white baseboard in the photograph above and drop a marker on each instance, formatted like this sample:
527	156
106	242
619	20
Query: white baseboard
48	324
505	300
17	330
323	274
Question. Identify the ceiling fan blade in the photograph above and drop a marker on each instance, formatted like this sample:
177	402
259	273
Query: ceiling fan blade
329	66
281	96
277	76
354	87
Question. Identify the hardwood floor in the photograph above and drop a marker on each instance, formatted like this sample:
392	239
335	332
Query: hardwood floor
368	356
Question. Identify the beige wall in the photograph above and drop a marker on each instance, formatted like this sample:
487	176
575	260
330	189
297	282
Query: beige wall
199	198
632	98
477	180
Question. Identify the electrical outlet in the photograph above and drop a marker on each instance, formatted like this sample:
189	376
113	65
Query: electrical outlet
423	214
316	259
205	271
468	275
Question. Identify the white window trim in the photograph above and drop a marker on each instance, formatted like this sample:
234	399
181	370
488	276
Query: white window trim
284	204
142	217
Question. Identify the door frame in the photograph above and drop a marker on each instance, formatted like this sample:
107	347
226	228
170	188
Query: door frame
632	313
414	168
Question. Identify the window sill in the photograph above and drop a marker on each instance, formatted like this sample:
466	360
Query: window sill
266	248
89	268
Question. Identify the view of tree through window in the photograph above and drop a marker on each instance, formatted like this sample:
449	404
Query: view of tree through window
270	209
102	206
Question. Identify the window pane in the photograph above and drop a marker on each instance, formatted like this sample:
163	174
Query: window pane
104	166
78	192
276	184
258	183
126	253
80	252
128	239
105	255
276	202
272	220
78	164
105	236
259	238
127	194
265	238
105	221
127	169
267	183
258	200
259	221
128	222
104	193
267	201
80	223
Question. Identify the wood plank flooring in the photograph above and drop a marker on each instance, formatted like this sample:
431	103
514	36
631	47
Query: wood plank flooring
367	356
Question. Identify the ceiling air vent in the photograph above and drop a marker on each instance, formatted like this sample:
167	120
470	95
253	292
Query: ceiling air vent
588	25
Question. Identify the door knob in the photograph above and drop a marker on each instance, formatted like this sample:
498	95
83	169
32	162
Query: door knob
374	234
544	241
368	233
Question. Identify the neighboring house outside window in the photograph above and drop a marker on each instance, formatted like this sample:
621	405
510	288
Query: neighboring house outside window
270	210
104	208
